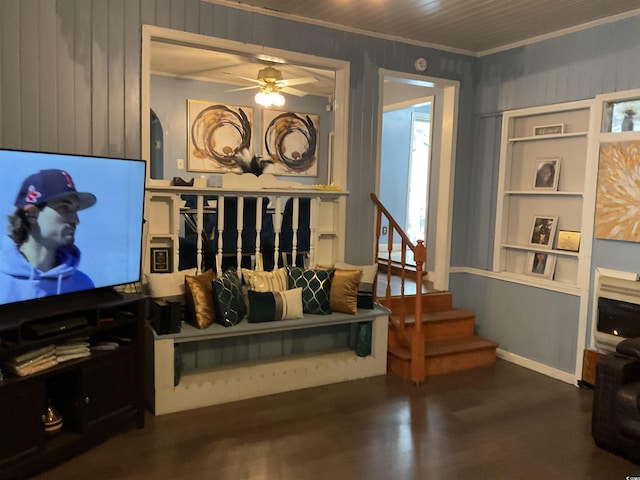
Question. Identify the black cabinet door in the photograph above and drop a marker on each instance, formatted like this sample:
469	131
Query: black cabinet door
109	386
21	420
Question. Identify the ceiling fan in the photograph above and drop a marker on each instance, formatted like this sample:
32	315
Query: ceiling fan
269	79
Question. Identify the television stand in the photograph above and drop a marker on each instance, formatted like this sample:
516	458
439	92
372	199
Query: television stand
96	395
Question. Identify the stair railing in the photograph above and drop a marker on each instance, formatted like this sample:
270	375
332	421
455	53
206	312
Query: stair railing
414	337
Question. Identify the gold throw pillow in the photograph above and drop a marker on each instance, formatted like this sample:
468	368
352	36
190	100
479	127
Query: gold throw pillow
344	291
199	292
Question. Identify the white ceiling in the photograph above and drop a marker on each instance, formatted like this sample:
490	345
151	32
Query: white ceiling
237	70
469	26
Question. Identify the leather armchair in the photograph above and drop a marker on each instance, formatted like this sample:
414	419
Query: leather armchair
615	423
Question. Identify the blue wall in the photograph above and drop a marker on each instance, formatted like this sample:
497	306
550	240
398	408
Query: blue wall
72	85
540	325
169	101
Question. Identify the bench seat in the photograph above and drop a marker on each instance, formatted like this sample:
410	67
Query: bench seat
199	387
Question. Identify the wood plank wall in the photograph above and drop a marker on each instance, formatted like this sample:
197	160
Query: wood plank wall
70	78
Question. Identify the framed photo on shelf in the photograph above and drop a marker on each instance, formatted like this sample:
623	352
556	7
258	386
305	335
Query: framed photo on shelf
556	129
547	174
161	260
543	231
621	116
568	240
541	264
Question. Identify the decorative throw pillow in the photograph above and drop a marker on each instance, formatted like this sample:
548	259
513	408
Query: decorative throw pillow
167	284
199	293
227	299
344	291
365	289
274	281
274	306
316	287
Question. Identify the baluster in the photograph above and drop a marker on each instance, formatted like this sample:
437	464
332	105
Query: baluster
239	223
199	229
221	201
294	226
258	253
277	226
314	208
389	249
403	264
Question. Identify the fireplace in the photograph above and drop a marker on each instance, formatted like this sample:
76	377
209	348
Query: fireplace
617	314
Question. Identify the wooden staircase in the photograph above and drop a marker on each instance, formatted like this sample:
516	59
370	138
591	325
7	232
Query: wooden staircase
427	336
450	344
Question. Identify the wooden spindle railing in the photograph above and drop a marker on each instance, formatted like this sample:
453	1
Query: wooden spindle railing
414	337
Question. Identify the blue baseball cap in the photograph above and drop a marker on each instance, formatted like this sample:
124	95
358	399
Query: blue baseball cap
48	185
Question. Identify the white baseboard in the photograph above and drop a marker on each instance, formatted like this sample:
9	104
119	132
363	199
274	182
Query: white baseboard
537	367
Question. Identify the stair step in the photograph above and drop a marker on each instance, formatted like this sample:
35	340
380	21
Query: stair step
445	356
442	316
442	325
457	345
431	302
447	347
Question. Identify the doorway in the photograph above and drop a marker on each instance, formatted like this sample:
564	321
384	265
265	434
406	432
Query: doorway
415	163
415	223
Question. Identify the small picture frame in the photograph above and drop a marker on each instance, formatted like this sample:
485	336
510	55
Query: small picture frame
556	129
541	264
543	231
621	116
161	260
547	174
568	240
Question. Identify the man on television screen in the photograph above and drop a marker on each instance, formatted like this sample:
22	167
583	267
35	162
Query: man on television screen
39	257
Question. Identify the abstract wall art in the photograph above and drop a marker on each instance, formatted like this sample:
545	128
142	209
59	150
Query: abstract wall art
618	194
290	140
218	135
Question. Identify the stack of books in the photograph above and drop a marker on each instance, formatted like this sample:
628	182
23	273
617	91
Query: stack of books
72	349
32	361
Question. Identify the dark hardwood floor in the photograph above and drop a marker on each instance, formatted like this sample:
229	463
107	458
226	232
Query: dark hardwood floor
501	422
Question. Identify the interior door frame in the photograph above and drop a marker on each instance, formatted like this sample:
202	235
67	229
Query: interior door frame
444	120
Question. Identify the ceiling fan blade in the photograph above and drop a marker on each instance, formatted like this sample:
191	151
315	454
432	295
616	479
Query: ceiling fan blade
239	77
293	91
298	81
243	88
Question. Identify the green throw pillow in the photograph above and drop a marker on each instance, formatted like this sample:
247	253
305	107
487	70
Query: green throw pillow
228	298
316	287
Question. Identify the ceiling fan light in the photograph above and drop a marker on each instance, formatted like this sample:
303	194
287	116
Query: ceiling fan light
277	99
269	98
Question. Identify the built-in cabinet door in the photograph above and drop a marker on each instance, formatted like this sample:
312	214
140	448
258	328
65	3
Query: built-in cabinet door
21	420
109	386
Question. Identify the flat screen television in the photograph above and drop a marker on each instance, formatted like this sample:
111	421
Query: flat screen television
87	210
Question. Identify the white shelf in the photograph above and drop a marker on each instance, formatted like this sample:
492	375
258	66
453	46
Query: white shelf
543	193
518	202
532	248
547	137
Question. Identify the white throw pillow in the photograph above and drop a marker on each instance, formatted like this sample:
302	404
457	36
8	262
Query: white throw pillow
274	281
167	284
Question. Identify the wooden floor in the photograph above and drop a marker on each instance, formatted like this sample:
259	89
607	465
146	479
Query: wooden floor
502	422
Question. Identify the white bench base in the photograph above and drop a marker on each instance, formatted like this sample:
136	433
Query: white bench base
202	388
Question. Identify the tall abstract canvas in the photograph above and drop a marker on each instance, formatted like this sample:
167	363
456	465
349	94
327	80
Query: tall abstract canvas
618	194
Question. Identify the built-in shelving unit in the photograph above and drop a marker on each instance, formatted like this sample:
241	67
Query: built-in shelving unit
556	135
96	395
